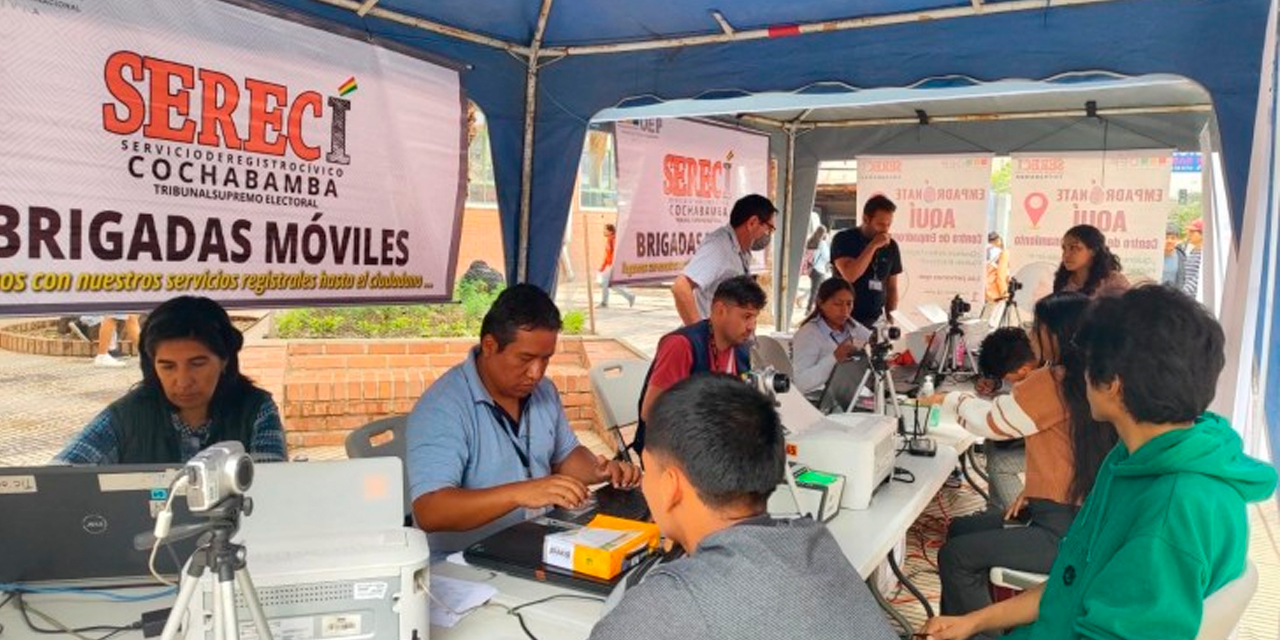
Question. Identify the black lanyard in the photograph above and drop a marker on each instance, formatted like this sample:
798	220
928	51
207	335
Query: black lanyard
513	427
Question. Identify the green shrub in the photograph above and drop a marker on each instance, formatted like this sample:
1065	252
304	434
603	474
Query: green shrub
573	322
449	320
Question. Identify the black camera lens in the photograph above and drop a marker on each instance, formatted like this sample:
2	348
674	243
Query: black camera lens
781	383
894	333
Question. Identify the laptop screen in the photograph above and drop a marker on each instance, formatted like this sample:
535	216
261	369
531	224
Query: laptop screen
846	380
64	523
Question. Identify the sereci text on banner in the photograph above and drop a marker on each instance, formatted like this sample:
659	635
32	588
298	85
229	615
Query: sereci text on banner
677	181
155	149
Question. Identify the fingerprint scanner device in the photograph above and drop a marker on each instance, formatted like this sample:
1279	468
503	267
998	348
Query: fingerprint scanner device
858	446
816	494
341	568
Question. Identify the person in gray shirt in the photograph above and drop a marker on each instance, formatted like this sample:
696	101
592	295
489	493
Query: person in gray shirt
714	454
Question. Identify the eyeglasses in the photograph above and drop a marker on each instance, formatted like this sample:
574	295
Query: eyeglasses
772	226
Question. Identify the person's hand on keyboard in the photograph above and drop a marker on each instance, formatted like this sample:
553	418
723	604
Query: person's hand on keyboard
619	474
552	491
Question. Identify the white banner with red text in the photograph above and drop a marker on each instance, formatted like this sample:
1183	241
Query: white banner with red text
940	225
677	181
155	149
1125	194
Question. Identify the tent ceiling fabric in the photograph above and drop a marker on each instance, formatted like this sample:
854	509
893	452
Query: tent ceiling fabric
1136	130
938	97
1217	44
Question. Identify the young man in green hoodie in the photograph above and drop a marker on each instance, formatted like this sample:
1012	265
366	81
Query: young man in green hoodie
1165	525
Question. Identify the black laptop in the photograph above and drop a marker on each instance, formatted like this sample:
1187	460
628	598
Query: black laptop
847	378
70	523
517	550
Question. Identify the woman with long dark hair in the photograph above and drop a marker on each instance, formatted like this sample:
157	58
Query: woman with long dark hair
192	395
1065	447
1088	266
827	336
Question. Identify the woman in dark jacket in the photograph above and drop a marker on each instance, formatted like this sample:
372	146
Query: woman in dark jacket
192	395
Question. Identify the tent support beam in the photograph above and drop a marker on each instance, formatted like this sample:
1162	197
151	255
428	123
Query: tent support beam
526	170
727	34
975	117
426	25
827	26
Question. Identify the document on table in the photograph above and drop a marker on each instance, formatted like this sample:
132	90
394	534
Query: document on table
451	599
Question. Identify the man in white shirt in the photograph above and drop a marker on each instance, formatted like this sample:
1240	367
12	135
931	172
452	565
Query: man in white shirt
723	254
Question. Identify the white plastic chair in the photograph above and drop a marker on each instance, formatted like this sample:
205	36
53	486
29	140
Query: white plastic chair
1224	607
365	442
617	385
1015	579
771	352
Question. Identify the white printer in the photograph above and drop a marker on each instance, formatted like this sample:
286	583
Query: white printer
329	556
858	446
348	586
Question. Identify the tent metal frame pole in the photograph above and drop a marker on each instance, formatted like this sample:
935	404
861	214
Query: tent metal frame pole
526	168
978	117
784	302
727	32
845	24
362	10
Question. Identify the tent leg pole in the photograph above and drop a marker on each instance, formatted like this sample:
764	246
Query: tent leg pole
526	170
784	303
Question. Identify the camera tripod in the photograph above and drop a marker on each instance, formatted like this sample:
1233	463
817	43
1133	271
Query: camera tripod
881	382
1010	315
228	564
951	362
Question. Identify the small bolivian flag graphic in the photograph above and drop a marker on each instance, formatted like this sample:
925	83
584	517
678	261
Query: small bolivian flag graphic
348	86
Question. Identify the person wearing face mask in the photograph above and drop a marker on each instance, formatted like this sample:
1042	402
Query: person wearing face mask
826	337
192	395
723	254
869	259
1088	266
718	344
489	443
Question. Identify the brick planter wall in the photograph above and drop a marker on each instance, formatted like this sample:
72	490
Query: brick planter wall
327	388
13	337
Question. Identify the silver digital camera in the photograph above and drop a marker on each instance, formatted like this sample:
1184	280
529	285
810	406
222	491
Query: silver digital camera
217	473
768	381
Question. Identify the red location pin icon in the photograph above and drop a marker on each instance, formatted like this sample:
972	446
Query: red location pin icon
1035	204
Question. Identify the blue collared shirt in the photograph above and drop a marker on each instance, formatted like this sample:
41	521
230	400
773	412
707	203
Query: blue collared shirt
456	438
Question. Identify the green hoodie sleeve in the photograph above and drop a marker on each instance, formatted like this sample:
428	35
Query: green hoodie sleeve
1148	589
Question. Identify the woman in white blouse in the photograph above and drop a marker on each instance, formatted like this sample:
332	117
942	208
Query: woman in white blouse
826	337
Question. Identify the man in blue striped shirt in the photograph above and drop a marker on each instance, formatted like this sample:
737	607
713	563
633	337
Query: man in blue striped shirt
724	253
